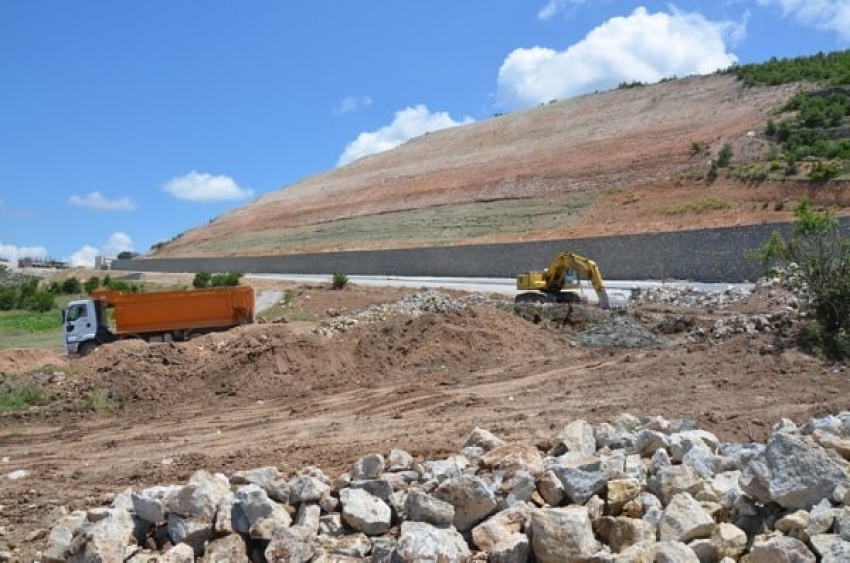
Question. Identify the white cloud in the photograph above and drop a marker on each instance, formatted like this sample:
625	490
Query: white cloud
84	257
554	7
351	103
11	252
206	187
408	123
116	243
827	15
96	200
642	46
551	8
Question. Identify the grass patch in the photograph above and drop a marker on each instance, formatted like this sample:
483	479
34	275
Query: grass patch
29	329
30	321
703	205
15	398
101	399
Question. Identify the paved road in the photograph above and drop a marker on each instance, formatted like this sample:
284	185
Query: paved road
501	286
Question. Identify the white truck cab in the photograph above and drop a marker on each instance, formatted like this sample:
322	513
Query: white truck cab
86	327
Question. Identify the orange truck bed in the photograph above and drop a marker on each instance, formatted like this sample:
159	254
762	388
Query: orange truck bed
191	309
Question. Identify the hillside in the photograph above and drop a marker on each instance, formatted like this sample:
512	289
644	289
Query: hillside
627	160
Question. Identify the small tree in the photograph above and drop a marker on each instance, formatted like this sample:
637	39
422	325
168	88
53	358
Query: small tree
824	260
91	284
26	291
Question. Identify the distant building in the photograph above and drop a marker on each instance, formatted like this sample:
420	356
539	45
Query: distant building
102	263
29	262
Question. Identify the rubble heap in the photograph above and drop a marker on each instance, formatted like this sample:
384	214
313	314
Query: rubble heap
422	302
635	489
691	296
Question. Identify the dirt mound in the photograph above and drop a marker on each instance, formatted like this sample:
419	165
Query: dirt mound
273	362
23	360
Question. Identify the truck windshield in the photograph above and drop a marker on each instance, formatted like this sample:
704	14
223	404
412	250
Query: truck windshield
76	312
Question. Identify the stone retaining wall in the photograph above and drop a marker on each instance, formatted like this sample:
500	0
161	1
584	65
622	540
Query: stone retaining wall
704	255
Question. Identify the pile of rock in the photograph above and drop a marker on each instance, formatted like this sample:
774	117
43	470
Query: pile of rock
635	489
427	301
691	296
779	323
619	330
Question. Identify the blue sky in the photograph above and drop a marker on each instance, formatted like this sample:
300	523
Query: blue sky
125	123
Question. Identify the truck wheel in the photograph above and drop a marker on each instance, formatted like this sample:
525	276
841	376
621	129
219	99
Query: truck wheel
87	348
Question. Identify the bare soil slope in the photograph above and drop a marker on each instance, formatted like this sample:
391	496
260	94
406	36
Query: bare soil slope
599	164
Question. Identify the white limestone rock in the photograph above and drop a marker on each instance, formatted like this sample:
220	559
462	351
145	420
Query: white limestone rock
364	512
562	534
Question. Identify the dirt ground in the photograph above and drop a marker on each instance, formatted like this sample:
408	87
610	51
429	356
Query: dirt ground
137	415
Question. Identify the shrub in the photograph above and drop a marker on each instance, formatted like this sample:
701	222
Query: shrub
230	279
824	259
71	286
41	301
712	173
339	280
8	299
696	148
26	291
724	157
703	205
91	284
120	285
824	171
201	280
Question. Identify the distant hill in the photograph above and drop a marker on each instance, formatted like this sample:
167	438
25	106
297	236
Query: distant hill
680	154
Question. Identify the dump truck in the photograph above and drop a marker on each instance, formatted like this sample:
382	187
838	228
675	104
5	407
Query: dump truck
560	282
157	316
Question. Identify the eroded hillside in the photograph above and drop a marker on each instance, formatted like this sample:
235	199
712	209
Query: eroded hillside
613	162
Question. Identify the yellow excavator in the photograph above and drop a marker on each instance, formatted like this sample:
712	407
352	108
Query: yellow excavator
560	282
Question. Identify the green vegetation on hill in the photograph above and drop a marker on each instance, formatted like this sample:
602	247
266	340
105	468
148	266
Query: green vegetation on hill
811	131
830	69
817	126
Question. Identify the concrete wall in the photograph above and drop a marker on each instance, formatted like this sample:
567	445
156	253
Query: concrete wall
705	255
